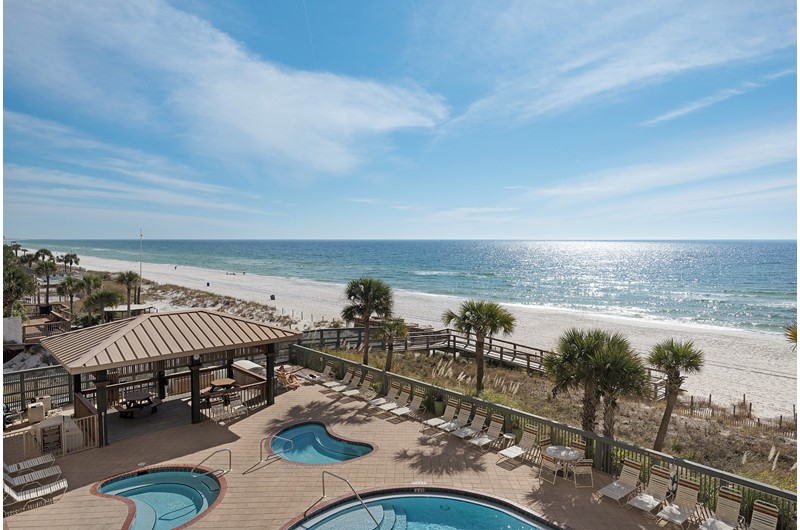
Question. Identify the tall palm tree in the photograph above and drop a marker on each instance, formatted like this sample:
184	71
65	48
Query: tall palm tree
15	247
620	372
90	282
70	287
99	300
27	259
484	319
674	358
71	259
368	296
790	332
572	366
46	268
43	254
391	329
62	258
129	279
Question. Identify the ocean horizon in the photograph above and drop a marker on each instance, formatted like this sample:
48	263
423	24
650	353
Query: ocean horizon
740	284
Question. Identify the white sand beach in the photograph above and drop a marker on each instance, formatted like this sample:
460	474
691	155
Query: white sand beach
760	366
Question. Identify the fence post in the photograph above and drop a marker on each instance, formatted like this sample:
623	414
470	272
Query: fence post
21	390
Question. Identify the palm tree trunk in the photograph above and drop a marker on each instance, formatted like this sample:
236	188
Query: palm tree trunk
590	403
365	359
47	292
661	437
71	311
479	363
129	301
609	417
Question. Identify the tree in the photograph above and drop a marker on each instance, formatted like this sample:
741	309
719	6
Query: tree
368	296
15	248
27	259
71	259
62	259
46	268
16	284
620	372
70	287
391	329
673	358
484	319
43	254
572	366
90	282
790	332
98	301
129	279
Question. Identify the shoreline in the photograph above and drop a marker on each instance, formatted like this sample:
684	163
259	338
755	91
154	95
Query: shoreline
756	364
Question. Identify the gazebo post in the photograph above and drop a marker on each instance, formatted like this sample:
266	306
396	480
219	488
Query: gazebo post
100	383
162	380
76	384
270	374
195	366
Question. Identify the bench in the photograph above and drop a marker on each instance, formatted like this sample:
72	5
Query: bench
124	412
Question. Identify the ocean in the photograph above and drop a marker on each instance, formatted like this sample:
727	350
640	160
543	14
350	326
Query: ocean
747	285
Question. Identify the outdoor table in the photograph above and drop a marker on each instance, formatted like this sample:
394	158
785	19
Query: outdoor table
224	383
138	399
564	455
509	438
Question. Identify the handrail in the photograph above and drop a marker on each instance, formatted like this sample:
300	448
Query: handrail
261	447
230	458
305	514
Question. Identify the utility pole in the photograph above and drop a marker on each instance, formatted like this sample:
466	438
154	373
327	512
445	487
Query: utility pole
139	295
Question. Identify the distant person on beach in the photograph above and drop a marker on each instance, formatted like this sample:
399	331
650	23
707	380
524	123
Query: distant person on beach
176	267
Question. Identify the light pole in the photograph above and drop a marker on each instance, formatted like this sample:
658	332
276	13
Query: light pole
139	297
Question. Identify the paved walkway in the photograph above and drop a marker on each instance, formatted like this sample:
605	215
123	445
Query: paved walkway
270	495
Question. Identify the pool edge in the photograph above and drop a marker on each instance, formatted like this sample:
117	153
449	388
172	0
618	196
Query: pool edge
375	447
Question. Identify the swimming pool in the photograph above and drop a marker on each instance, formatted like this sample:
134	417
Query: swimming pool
312	443
425	509
164	498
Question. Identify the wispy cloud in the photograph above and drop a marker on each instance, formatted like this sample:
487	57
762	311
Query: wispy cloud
153	66
472	214
722	95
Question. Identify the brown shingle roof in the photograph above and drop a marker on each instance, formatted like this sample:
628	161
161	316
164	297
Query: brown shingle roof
159	336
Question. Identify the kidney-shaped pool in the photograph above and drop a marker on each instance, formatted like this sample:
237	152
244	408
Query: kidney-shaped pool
312	443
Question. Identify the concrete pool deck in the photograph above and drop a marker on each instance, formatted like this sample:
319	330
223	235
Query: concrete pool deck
268	495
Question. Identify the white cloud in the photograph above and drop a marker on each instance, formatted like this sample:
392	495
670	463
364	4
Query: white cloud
471	214
153	66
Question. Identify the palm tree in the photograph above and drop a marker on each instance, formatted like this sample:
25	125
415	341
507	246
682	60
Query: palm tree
129	279
15	247
791	334
46	268
673	358
620	372
43	254
572	366
391	329
71	259
27	259
368	296
62	258
98	301
70	287
484	319
16	284
90	282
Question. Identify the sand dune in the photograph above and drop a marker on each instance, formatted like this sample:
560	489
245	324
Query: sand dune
760	366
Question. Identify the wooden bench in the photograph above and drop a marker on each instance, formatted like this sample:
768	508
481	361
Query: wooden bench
124	412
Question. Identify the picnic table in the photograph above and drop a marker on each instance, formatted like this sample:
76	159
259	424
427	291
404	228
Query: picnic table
136	401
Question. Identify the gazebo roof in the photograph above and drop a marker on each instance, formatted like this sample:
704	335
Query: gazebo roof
159	336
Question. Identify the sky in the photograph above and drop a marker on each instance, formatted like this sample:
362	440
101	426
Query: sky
399	119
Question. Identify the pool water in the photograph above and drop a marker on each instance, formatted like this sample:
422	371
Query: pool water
165	499
423	512
311	443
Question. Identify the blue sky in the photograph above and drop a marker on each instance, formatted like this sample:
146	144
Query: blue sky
400	119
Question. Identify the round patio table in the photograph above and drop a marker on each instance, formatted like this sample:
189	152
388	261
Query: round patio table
564	455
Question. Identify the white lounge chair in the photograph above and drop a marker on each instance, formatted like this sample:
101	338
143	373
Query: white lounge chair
526	445
474	427
343	383
328	377
358	385
13	497
726	516
680	510
45	460
413	407
390	397
39	475
461	419
352	383
655	493
492	435
626	484
765	516
440	420
399	401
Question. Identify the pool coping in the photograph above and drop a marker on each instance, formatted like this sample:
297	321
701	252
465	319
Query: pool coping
375	447
95	490
421	489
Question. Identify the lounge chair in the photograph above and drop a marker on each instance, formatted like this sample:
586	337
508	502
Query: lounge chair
655	493
359	386
344	382
493	433
400	401
440	420
461	419
352	384
765	516
414	407
582	467
684	505
329	378
44	460
726	516
526	445
391	396
29	496
626	484
473	428
549	465
31	476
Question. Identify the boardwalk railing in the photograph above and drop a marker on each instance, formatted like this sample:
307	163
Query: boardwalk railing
607	453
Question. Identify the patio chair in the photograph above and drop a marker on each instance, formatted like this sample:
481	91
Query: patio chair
237	407
414	406
544	443
32	476
400	401
13	497
328	378
525	446
352	384
462	416
364	391
655	493
726	516
549	465
681	509
582	467
343	383
434	422
394	390
473	428
44	460
579	444
493	434
765	516
626	484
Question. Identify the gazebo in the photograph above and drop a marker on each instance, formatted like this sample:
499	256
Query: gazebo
154	343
